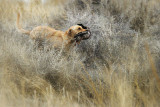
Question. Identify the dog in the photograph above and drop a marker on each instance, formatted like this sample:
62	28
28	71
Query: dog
74	35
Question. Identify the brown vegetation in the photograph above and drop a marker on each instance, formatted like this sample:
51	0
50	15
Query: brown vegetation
118	67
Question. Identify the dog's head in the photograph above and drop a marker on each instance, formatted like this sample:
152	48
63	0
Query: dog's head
79	32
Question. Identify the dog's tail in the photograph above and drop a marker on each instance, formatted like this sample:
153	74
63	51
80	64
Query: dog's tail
20	27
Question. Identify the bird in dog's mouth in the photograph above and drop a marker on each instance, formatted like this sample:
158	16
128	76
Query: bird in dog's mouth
82	35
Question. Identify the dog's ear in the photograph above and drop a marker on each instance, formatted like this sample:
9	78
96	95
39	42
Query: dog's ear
70	32
84	27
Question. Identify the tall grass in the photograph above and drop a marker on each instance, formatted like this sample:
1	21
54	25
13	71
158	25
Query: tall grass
113	68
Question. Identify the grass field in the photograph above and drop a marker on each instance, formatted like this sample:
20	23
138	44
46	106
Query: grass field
119	66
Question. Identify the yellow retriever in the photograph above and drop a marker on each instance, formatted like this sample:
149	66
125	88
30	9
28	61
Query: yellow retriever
73	35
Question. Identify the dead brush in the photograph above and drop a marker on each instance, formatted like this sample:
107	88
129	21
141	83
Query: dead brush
114	68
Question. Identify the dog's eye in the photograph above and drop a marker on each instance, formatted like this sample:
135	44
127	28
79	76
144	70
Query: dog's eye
79	28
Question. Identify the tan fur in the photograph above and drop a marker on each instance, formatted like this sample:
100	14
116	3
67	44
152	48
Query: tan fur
19	26
58	38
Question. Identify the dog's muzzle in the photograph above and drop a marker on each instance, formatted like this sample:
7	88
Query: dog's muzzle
83	35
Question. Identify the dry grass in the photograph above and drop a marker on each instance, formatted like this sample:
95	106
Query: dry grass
117	67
